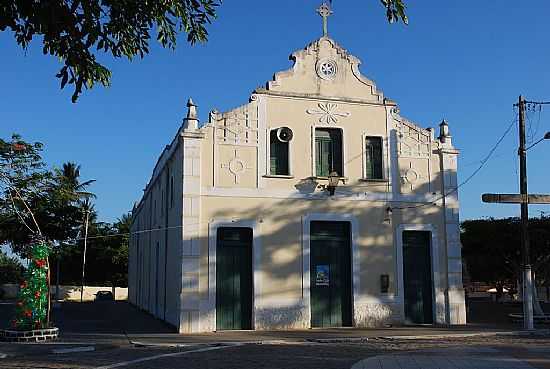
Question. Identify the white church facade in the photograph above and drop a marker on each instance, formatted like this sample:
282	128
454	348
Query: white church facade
314	204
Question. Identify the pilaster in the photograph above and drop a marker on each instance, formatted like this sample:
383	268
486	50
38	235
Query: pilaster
455	291
189	307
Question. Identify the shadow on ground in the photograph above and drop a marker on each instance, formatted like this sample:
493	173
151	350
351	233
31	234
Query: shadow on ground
484	311
108	320
106	317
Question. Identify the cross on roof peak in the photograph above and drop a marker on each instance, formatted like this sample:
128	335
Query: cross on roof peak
325	11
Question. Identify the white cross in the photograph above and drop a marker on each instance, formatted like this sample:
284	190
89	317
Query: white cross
325	12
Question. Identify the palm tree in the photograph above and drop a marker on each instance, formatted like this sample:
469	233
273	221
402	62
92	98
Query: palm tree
74	201
69	180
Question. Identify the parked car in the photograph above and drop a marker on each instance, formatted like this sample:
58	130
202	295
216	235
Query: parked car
104	296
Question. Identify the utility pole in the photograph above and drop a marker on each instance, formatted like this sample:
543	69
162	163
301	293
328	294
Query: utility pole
84	256
527	277
523	198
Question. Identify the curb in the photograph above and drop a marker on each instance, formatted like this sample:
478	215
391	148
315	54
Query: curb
542	332
215	344
344	339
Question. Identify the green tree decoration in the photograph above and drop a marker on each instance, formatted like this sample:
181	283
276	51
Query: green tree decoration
32	306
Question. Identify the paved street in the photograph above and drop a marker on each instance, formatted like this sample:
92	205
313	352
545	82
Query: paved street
112	335
494	352
445	358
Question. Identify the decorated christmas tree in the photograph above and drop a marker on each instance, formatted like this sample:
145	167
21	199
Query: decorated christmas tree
31	310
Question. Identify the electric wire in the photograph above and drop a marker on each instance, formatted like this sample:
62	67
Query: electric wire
482	162
471	176
428	203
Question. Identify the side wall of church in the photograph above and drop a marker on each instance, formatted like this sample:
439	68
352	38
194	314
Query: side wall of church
154	270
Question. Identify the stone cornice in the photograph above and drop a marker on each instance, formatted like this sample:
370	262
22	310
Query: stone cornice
193	134
297	95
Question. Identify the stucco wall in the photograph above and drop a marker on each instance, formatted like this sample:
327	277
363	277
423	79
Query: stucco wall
157	230
279	281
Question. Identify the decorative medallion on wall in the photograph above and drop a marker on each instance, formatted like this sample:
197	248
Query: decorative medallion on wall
326	69
327	113
236	166
411	177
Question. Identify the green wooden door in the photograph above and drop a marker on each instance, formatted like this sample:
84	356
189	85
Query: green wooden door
234	278
417	277
330	274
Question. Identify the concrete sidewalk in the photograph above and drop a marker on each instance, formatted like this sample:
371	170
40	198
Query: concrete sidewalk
306	335
83	342
334	335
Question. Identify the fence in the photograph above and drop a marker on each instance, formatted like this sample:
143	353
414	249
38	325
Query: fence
71	293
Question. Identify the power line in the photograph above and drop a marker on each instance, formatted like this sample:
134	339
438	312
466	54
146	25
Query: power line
468	179
471	176
131	233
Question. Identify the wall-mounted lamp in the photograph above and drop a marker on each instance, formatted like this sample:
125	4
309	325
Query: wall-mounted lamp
333	181
387	215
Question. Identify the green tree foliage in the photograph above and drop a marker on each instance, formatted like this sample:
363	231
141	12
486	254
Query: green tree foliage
106	255
65	200
24	185
395	10
11	270
78	31
75	31
34	202
491	248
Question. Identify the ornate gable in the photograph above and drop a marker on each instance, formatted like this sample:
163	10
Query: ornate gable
324	69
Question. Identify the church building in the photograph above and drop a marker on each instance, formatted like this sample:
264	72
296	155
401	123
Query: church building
314	204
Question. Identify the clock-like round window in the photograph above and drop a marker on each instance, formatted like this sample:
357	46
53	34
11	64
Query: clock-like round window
326	69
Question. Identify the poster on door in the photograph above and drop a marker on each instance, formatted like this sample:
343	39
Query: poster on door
322	275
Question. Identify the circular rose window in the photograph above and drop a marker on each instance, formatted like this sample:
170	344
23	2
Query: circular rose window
326	69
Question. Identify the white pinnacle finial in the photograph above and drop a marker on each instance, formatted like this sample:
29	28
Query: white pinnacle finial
324	11
191	121
191	109
444	134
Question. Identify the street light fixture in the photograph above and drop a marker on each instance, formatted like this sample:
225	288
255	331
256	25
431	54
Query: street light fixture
545	137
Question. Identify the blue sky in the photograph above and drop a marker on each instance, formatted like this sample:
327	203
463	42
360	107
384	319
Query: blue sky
466	61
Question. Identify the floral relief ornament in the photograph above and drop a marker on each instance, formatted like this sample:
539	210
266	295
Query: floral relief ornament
327	113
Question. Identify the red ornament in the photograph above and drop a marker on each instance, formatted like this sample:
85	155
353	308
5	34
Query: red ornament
40	263
28	313
18	147
19	303
23	285
37	294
